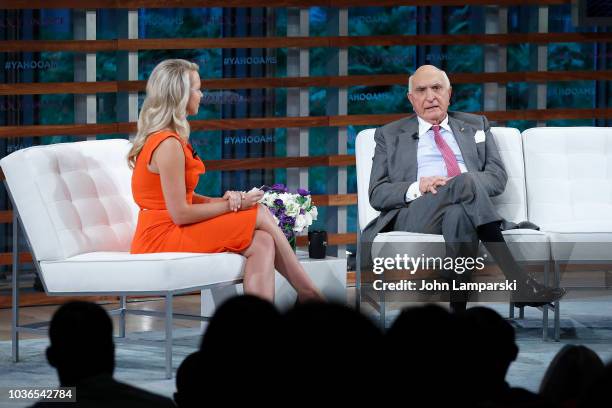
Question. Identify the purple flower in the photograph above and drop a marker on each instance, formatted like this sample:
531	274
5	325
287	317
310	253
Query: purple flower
303	192
302	211
279	188
279	202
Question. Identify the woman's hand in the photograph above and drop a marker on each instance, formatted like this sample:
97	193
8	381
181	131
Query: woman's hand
234	198
251	198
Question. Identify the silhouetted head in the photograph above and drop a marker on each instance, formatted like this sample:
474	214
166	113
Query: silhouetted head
318	326
240	344
490	342
328	348
573	369
598	394
237	319
422	326
81	335
422	347
189	382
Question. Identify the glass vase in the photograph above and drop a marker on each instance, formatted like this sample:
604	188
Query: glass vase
292	241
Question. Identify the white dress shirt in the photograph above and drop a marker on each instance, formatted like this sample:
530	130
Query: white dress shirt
429	159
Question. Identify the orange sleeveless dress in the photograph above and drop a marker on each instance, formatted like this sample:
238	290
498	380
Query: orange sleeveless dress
156	232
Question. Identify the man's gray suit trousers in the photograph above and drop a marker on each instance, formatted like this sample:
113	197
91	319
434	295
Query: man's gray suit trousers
455	211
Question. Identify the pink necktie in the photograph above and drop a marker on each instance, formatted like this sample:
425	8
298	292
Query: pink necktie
452	167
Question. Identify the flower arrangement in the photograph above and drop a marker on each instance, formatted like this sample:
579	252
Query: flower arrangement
292	211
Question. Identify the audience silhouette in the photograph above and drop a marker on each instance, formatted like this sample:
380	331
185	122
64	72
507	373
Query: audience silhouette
573	369
599	393
189	382
83	353
329	352
489	346
239	348
330	349
424	344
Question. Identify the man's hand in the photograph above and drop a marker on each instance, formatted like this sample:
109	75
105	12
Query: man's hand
429	184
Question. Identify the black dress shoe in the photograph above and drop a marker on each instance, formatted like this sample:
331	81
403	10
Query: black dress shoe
532	293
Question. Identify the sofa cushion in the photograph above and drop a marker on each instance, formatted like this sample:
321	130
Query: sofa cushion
581	241
108	272
526	245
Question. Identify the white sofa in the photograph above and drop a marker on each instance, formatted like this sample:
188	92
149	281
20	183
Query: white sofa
75	204
569	192
529	195
569	189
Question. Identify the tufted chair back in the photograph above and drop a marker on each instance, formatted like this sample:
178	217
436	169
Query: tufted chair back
569	174
73	198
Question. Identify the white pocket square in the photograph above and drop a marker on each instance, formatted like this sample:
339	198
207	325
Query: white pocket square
479	137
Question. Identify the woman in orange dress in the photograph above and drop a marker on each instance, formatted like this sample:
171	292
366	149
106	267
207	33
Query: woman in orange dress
173	218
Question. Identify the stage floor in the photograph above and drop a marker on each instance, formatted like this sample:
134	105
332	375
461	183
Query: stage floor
583	321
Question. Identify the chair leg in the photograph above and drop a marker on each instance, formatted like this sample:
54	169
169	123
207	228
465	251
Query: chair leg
123	307
557	282
545	323
545	308
557	326
15	289
358	272
522	312
169	335
383	309
511	310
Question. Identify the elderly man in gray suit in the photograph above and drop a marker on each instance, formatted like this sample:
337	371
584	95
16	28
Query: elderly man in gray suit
436	172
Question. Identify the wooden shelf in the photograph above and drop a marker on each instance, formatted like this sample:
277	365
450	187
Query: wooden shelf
91	46
132	4
50	88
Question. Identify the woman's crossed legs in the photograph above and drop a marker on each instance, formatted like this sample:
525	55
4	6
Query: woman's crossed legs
269	250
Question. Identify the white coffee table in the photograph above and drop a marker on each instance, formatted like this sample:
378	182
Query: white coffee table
329	275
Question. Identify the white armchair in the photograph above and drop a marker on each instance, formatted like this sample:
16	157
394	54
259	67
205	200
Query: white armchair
512	205
569	192
75	205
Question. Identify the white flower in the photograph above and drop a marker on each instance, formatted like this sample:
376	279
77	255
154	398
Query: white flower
314	213
308	219
300	223
286	197
292	209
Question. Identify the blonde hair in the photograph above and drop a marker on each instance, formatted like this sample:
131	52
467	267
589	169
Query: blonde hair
165	105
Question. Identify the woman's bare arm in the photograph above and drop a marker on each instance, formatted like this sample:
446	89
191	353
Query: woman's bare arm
200	199
169	160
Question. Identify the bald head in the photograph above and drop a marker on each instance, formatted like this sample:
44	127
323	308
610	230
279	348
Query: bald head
429	70
429	92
